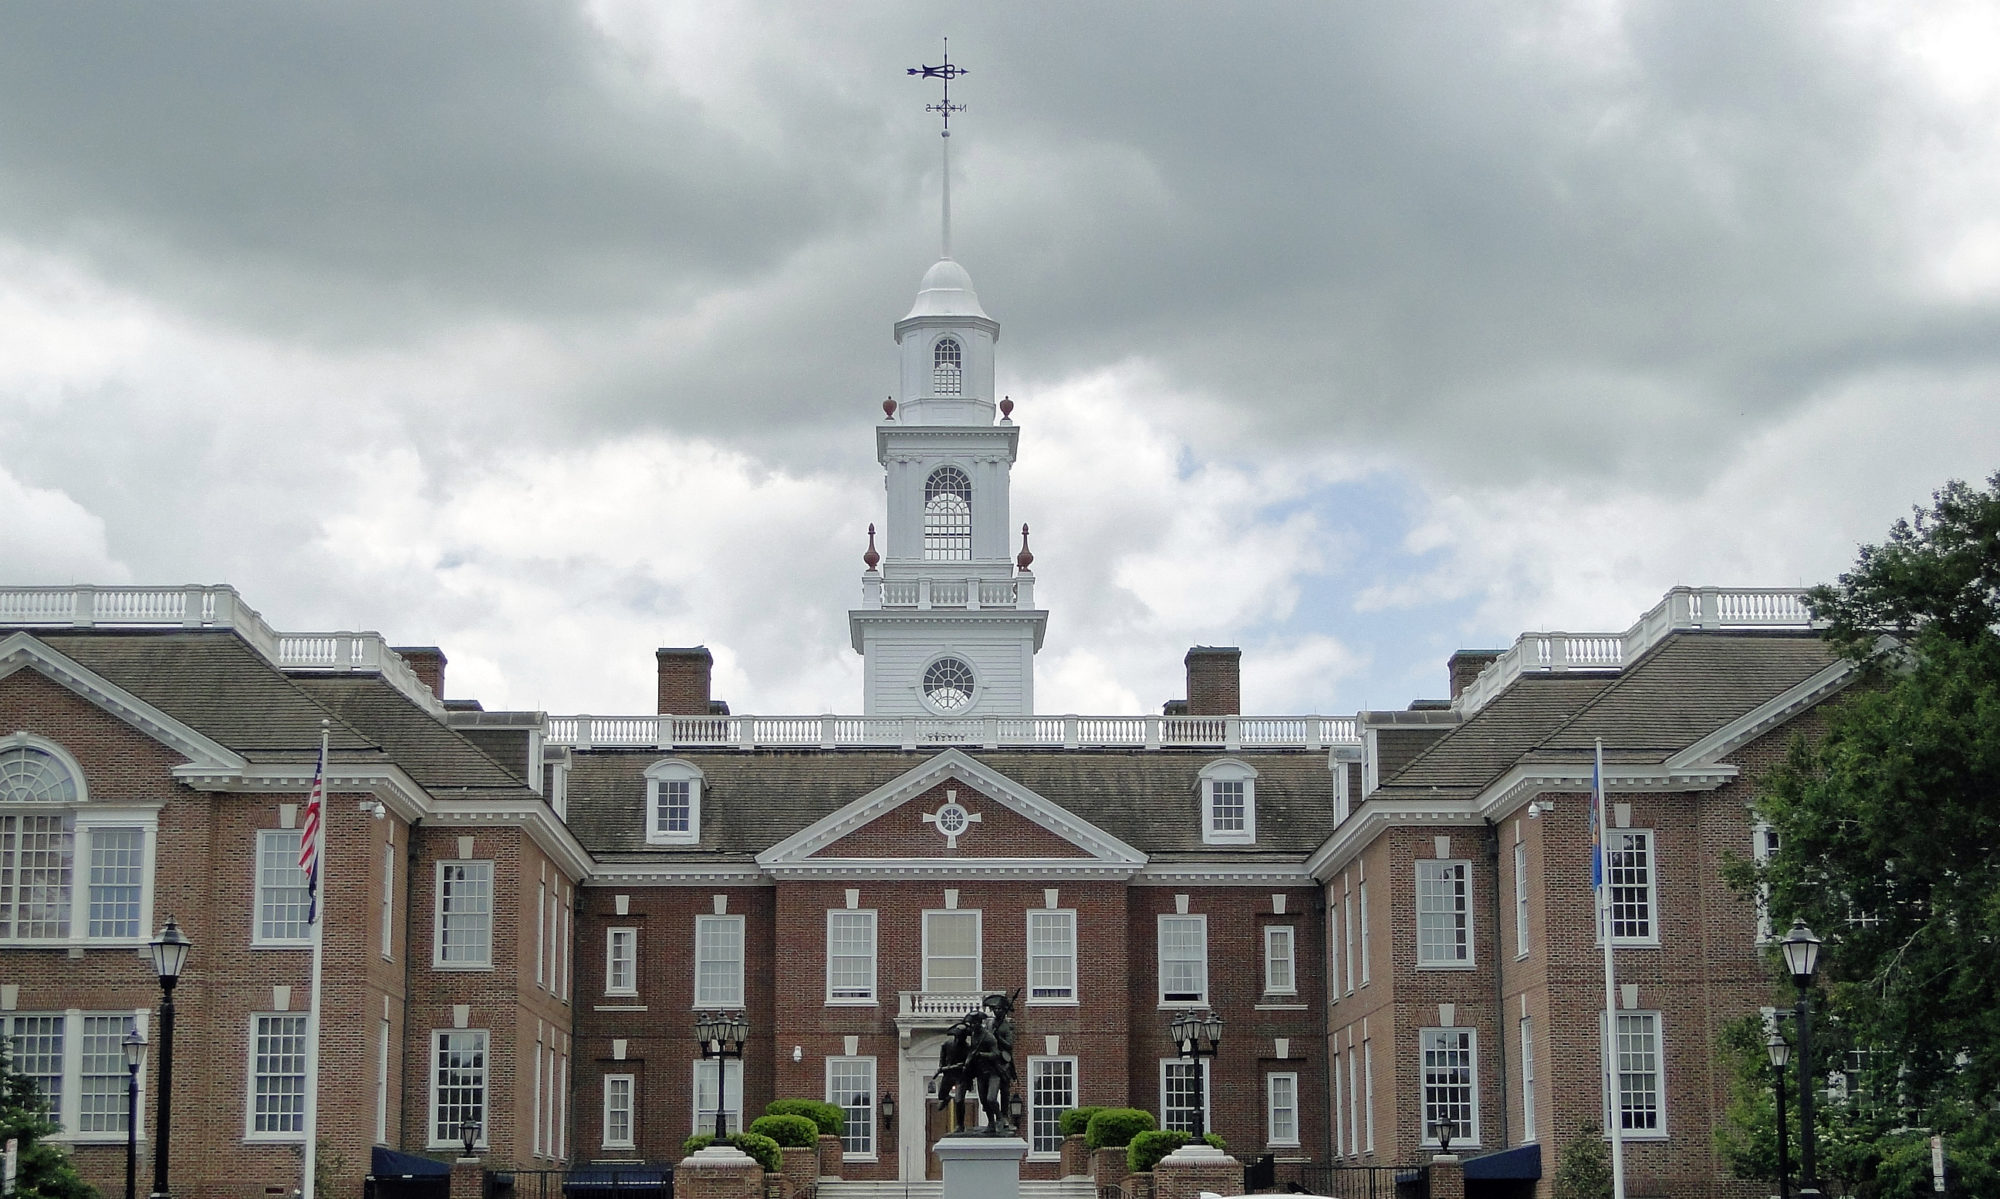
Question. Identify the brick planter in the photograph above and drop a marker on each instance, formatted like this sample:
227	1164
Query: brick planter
1075	1157
1188	1171
801	1170
831	1157
1139	1186
719	1172
1107	1166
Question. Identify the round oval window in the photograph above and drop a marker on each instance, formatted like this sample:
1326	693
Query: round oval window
948	684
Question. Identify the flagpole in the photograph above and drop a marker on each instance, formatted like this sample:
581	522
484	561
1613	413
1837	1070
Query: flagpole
1602	871
313	881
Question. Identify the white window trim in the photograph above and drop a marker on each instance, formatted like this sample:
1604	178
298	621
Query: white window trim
485	1088
874	996
437	915
1160	960
611	936
1520	900
250	1133
1760	853
704	1117
1528	1079
388	949
1271	1137
1028	992
382	1083
89	817
1353	1105
1426	1137
605	1138
874	1134
1361	894
257	938
742	964
1652	939
1233	770
1368	1093
978	950
1347	935
679	770
1207	1089
1035	1064
541	933
1290	957
1471	961
70	1100
1611	1077
1339	1107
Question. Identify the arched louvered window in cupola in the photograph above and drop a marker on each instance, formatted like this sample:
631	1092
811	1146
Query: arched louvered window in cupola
948	515
948	367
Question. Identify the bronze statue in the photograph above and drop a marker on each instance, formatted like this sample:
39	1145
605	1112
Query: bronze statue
978	1059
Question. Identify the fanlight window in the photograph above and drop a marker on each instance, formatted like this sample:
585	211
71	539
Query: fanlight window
948	515
31	775
948	684
947	367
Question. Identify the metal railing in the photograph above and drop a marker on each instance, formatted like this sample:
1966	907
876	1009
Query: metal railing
1352	1181
634	1181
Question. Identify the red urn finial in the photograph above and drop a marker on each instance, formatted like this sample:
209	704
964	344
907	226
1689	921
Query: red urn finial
1006	407
889	408
870	558
1024	559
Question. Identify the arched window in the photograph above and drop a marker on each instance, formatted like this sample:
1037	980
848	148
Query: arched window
948	685
947	367
948	515
31	775
70	869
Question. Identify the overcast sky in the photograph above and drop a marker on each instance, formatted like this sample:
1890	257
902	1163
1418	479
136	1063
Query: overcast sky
1350	334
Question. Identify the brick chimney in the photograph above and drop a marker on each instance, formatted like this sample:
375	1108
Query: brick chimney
1465	666
1214	680
427	662
684	675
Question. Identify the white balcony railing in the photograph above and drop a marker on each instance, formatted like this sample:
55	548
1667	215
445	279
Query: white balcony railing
918	732
939	1004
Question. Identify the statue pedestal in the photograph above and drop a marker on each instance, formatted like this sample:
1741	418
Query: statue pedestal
981	1167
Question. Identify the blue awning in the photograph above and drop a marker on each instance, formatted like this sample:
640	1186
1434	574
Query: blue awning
387	1163
1522	1161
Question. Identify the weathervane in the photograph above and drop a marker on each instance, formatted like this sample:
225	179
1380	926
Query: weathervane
945	72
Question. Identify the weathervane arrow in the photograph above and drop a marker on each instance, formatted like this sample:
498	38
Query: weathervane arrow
945	72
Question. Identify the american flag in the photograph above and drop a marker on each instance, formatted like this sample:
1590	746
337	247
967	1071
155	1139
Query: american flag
1597	820
309	838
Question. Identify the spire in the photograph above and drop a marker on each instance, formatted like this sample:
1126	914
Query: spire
945	72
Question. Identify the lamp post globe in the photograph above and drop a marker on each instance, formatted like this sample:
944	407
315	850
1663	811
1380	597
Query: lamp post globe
723	1036
1198	1036
1801	950
169	952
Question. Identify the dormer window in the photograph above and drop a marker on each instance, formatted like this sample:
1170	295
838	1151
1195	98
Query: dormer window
948	516
1228	803
947	367
673	803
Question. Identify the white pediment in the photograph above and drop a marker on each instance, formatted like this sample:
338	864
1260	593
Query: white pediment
22	651
1102	855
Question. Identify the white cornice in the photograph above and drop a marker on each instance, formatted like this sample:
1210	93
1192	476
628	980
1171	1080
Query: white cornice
1105	850
23	651
676	874
551	835
396	789
1375	817
895	868
1195	874
1765	716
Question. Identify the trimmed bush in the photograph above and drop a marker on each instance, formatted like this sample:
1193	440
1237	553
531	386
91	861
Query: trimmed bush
829	1117
695	1144
762	1149
790	1132
1215	1141
1149	1147
1114	1127
1076	1119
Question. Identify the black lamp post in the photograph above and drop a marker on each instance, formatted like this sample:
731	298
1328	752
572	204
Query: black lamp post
888	1109
170	951
135	1057
468	1135
1781	1052
1441	1131
1197	1035
1801	950
722	1036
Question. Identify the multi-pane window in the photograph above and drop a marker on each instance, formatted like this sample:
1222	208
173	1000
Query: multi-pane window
1628	855
281	889
676	810
37	1055
850	1085
1520	899
1229	802
947	367
1451	1092
718	961
458	1084
1183	959
1051	1091
465	914
382	1083
1527	1079
618	1111
388	902
951	951
1339	1110
1347	923
673	802
117	869
38	892
850	956
1281	1108
541	934
1362	898
948	515
1279	976
1180	1093
1353	1105
621	961
1444	913
32	775
1226	805
1051	956
102	1079
277	1076
77	1061
1763	847
1368	1096
705	1097
1637	1046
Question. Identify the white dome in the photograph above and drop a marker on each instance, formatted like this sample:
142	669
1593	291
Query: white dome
946	291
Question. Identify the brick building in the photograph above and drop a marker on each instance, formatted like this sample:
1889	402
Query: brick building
525	912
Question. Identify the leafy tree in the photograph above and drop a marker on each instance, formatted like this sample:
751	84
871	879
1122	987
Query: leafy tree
1583	1171
45	1170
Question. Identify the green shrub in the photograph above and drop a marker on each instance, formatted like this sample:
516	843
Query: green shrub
1114	1127
792	1132
1215	1141
830	1117
695	1144
1149	1147
1076	1119
762	1149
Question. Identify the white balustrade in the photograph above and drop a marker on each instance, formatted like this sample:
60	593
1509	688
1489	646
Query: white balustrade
940	1003
996	593
901	593
915	732
947	594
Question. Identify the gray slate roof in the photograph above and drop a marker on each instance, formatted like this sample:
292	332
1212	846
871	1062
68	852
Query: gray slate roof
751	801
